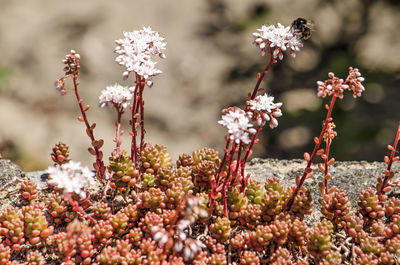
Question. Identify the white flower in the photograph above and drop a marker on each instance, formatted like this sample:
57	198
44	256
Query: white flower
116	95
238	124
135	52
279	39
71	178
264	109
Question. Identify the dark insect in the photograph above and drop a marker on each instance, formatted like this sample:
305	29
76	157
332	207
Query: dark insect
301	28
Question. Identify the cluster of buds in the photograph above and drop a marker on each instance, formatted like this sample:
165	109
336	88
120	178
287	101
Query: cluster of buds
71	68
336	86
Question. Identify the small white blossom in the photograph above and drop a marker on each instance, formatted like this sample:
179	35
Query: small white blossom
279	39
238	123
135	52
264	109
116	95
71	178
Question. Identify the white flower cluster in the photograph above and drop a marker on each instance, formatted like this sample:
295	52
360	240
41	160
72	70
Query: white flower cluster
116	95
71	178
135	52
264	109
279	39
238	123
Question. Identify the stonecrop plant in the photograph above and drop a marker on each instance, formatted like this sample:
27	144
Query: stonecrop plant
139	208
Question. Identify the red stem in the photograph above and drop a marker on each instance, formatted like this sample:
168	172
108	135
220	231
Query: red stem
141	103
235	173
134	156
228	141
260	77
328	145
386	180
99	161
118	130
244	160
316	147
225	183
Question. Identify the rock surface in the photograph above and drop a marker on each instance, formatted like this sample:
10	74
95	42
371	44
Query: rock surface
353	176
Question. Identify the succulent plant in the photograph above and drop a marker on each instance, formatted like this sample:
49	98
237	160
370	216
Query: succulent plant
221	229
60	154
35	223
28	191
124	175
12	227
155	157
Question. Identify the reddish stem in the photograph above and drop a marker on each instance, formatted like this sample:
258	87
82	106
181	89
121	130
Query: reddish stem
387	177
141	104
228	141
134	155
260	76
236	171
244	160
328	145
99	155
77	208
225	183
118	140
314	152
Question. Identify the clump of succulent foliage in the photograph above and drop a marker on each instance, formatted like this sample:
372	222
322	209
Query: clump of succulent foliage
204	209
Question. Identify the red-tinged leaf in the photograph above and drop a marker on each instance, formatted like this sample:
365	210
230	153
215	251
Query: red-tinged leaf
321	187
256	141
386	159
258	75
93	126
379	179
326	106
320	152
387	172
249	95
298	180
89	132
321	167
323	156
86	108
396	158
308	170
261	89
131	133
306	156
136	116
100	155
122	132
80	101
387	189
328	176
390	147
80	119
331	161
92	151
95	166
316	140
100	143
391	175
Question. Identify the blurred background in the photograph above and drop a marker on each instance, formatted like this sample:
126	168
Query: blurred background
211	64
